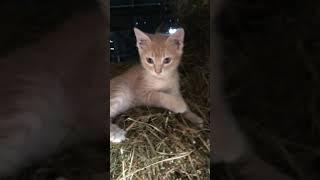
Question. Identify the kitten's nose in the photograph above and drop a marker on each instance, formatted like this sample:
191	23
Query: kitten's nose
158	71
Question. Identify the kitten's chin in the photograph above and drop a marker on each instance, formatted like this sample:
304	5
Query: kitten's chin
162	75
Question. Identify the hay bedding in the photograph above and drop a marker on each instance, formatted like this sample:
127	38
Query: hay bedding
163	145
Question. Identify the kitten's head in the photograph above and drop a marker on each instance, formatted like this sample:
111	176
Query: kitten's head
160	54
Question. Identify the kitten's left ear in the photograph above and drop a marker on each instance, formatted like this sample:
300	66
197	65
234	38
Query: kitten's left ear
177	38
143	40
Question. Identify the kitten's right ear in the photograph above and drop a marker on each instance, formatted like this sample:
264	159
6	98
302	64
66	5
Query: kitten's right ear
143	39
177	38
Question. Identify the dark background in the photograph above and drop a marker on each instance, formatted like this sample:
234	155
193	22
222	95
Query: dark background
27	21
23	25
147	15
126	14
271	68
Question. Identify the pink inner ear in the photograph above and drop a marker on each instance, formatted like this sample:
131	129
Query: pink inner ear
177	38
142	43
176	43
142	38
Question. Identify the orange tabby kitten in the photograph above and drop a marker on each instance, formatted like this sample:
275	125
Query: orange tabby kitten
154	82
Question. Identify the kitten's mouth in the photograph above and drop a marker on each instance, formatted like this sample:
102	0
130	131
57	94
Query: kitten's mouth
157	74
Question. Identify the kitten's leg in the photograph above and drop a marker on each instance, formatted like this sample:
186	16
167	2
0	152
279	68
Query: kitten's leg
120	101
173	103
164	100
120	98
188	114
194	118
116	133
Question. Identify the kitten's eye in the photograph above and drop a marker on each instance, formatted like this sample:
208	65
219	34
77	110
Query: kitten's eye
149	60
167	60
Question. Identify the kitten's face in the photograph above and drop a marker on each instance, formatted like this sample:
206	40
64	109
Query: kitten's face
160	54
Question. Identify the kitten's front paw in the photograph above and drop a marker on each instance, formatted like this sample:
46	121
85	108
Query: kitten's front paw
180	106
117	134
193	118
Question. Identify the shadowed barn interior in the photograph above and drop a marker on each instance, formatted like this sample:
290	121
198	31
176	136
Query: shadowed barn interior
268	52
53	79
